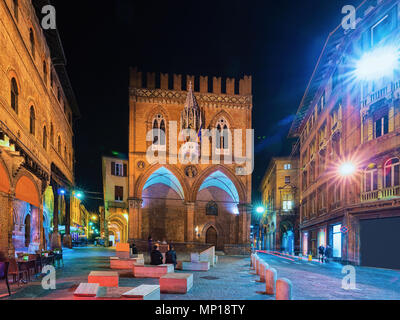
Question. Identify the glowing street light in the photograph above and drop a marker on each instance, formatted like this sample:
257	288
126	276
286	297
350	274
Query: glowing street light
94	217
378	63
260	210
347	169
79	195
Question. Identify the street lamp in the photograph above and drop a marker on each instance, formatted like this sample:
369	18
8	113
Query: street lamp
347	169
377	63
260	210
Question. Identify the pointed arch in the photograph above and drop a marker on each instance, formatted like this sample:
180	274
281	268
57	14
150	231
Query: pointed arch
180	179
221	177
166	177
26	190
222	115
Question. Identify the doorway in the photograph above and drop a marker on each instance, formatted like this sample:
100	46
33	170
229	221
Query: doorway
211	236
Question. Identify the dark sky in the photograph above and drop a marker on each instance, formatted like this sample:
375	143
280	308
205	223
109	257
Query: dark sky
277	42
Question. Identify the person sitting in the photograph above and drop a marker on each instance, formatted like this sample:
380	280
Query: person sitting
170	256
156	256
133	248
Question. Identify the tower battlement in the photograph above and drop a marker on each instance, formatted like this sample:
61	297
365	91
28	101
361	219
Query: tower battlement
200	84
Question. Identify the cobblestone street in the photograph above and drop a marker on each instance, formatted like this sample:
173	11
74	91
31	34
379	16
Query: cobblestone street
231	279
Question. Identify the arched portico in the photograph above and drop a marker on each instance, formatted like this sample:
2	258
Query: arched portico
26	214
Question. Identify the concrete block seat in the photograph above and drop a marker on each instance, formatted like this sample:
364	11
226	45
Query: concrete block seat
123	264
104	278
122	247
195	266
176	283
89	291
149	271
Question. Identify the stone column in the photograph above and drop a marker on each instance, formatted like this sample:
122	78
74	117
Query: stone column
35	229
11	249
4	222
243	232
135	207
67	240
189	221
55	237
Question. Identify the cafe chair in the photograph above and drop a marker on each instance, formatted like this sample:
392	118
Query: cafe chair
15	271
4	274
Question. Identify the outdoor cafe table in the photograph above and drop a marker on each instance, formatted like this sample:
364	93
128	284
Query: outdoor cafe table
26	265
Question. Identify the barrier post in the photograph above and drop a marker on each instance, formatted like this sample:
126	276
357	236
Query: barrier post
283	289
270	281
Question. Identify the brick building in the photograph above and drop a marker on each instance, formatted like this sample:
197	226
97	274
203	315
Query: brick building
348	124
115	188
279	225
37	109
189	203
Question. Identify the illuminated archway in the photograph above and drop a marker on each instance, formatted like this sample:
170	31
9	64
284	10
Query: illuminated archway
163	195
27	191
165	177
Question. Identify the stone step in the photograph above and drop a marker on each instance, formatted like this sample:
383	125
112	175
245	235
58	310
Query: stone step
87	290
143	292
149	271
195	266
176	283
104	278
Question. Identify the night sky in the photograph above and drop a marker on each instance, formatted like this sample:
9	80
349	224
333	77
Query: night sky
277	42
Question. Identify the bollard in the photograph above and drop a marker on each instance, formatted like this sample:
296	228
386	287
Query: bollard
270	281
283	289
251	261
264	268
310	257
257	265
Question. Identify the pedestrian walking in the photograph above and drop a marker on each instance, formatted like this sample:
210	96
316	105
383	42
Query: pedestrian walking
321	253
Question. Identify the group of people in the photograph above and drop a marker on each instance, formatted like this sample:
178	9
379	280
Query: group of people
156	257
324	253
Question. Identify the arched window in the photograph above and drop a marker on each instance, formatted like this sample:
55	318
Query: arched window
52	134
45	72
59	145
159	133
392	173
15	8
32	41
32	120
14	95
212	209
371	179
45	137
222	137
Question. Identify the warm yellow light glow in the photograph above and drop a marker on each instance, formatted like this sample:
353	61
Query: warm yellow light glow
94	217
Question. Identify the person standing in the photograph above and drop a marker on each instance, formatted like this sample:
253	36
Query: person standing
321	253
156	256
328	253
170	256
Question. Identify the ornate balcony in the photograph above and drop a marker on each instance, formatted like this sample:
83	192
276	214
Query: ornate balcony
382	194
